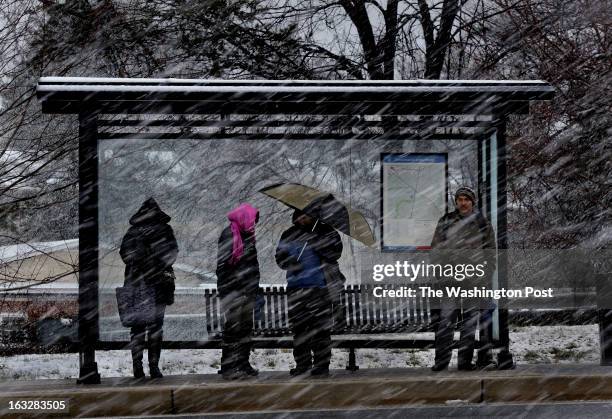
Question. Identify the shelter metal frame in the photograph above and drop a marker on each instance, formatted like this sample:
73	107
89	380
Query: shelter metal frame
264	109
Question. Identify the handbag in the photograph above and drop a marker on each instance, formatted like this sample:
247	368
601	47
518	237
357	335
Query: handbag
136	304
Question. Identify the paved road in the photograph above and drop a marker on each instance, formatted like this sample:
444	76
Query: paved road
584	410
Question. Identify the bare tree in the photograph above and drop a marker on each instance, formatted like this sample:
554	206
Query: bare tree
560	156
385	39
38	153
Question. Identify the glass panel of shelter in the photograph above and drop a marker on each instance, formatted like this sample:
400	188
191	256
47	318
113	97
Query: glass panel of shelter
197	182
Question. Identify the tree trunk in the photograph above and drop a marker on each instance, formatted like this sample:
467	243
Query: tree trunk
436	47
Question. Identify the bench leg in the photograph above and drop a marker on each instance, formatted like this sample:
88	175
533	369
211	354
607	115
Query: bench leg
352	365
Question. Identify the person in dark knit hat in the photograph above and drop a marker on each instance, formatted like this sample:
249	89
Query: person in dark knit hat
462	237
467	192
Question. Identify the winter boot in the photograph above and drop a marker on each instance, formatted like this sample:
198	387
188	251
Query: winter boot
138	370
234	374
137	346
299	370
245	365
231	362
320	371
485	361
155	344
229	358
439	366
154	372
224	360
466	366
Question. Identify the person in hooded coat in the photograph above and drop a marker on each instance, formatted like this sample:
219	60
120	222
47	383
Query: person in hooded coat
149	250
237	285
305	251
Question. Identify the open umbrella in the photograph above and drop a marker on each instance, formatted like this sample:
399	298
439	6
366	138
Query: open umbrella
324	207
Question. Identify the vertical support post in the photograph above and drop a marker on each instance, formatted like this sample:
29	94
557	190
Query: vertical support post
481	172
605	336
352	365
88	326
485	332
486	146
604	314
504	358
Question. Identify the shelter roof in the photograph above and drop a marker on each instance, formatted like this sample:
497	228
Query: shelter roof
204	96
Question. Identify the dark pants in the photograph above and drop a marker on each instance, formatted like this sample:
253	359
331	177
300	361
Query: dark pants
238	311
151	333
336	295
485	352
448	317
310	313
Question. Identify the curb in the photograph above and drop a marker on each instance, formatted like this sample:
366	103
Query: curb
93	402
528	389
310	394
322	395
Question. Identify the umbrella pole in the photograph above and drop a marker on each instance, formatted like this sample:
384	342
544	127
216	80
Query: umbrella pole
304	247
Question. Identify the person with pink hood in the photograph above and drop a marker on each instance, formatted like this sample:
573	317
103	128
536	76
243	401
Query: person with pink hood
237	285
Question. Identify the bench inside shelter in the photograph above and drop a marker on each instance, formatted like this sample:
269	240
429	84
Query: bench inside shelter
371	322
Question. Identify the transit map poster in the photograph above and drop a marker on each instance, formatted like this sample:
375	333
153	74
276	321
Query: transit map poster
414	191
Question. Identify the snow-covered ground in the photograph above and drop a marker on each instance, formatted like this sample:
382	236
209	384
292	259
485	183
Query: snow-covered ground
533	344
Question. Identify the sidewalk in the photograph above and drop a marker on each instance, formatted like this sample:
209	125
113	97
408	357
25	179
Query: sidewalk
367	388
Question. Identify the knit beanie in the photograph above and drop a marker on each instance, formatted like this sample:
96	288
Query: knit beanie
466	191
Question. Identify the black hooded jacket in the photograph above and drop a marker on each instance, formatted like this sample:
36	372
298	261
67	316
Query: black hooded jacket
149	246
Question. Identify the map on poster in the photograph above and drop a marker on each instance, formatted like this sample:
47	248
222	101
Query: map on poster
414	199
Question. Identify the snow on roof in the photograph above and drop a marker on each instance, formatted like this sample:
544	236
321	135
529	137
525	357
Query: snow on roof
275	82
278	89
66	94
171	85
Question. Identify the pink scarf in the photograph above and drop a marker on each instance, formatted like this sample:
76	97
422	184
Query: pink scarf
242	220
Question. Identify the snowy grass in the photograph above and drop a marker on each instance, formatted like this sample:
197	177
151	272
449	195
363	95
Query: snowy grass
530	345
555	344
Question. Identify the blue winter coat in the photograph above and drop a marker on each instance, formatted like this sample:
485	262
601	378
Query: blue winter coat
305	271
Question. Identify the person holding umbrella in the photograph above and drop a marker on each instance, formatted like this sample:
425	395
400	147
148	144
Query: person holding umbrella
301	252
309	252
237	285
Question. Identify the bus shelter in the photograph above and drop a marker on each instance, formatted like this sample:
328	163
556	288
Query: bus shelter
266	110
